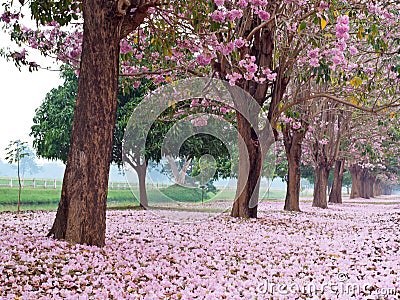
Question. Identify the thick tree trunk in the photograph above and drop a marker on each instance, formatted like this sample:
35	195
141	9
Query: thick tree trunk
377	188
371	185
365	184
320	185
335	195
250	163
355	172
81	216
292	142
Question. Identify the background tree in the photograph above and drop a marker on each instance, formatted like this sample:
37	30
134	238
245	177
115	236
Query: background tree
16	151
28	163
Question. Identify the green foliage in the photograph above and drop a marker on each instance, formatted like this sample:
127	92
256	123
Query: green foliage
184	194
16	151
53	120
61	11
203	144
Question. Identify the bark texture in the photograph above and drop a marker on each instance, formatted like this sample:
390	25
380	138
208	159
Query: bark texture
247	192
141	171
363	183
355	172
321	182
250	153
335	195
81	215
292	142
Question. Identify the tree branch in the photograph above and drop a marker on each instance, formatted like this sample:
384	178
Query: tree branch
132	21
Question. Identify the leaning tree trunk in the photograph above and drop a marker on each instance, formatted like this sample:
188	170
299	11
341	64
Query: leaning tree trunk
335	195
293	153
81	215
250	163
320	185
355	172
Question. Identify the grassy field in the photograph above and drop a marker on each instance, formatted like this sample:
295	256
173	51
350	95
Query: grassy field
47	199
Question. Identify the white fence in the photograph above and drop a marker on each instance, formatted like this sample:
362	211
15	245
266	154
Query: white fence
31	183
56	184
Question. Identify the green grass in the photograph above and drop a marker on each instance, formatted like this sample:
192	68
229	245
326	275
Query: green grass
47	199
29	196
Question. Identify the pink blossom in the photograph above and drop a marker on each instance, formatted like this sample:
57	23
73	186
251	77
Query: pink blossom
314	53
203	60
239	43
233	77
251	68
218	16
228	48
286	119
5	18
234	14
264	15
296	125
314	62
219	2
271	77
353	50
324	141
243	3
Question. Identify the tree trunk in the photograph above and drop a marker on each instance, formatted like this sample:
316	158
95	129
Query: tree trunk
179	175
250	163
320	185
355	172
292	142
377	188
19	187
365	184
371	185
335	195
81	215
250	153
141	171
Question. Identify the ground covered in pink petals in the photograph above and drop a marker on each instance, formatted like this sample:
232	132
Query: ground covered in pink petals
349	251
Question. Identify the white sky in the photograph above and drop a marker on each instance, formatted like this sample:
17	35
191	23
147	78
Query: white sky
20	94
